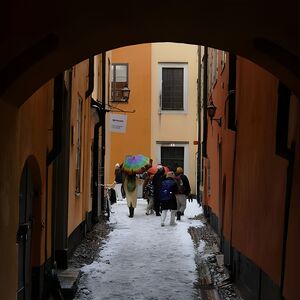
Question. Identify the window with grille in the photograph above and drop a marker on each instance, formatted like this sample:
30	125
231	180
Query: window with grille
223	60
119	80
172	157
173	87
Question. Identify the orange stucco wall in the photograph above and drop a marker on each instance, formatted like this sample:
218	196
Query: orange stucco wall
260	175
25	132
35	139
218	94
228	139
137	138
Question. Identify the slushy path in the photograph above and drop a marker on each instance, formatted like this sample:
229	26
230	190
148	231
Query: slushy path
142	260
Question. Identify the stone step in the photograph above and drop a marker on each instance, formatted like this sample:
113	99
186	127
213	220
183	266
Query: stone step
69	282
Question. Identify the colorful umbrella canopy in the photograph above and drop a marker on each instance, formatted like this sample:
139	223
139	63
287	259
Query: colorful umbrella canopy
153	169
136	164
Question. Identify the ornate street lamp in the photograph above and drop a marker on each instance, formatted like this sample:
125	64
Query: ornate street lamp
211	111
125	93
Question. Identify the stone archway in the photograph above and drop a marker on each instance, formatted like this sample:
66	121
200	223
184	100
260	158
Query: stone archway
40	41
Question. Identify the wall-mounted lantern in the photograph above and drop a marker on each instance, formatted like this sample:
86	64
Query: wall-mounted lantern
211	111
125	93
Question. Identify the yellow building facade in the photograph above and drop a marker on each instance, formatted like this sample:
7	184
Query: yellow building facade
166	134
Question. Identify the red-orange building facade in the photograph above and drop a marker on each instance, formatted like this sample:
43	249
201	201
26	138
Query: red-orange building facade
250	181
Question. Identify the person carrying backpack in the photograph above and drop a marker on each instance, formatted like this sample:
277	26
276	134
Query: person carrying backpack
183	192
167	198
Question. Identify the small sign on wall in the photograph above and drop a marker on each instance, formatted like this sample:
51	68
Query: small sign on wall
118	123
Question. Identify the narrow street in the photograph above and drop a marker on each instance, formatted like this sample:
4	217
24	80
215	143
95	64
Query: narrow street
142	260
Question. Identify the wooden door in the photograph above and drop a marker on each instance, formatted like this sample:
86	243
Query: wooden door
24	235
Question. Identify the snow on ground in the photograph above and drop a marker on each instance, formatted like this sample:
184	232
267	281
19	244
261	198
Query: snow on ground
142	260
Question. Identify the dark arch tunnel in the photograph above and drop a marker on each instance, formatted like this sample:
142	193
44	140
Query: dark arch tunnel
40	41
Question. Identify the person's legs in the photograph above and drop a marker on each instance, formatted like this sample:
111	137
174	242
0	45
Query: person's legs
148	206
172	220
163	217
156	206
178	206
131	211
182	203
118	191
151	204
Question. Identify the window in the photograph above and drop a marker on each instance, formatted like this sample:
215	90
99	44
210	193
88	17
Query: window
78	145
223	60
173	89
119	80
212	67
172	157
173	154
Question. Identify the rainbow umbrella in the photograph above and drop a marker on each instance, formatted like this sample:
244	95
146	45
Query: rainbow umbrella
136	164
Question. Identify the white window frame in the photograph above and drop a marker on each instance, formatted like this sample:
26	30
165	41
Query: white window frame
185	145
185	87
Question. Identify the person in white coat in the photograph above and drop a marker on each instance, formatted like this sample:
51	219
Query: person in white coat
131	187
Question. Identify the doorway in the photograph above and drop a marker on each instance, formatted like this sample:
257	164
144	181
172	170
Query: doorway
29	231
24	234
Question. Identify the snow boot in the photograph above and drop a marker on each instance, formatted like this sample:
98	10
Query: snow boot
131	212
178	215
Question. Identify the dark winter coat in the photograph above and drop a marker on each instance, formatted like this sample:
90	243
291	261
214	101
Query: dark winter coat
118	176
158	177
185	188
172	204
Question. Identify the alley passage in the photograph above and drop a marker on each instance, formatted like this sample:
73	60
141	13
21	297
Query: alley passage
142	260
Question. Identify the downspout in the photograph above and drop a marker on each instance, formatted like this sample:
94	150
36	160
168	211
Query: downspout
204	143
100	108
103	135
60	176
96	105
199	156
52	155
57	119
101	115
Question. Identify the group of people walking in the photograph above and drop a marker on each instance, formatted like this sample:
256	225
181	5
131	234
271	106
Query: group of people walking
164	191
170	192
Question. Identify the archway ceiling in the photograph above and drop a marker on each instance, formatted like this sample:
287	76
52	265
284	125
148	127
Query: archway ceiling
40	39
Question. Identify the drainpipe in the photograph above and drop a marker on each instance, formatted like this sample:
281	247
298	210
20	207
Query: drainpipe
96	105
103	135
101	115
204	143
60	177
52	155
100	108
57	119
199	156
